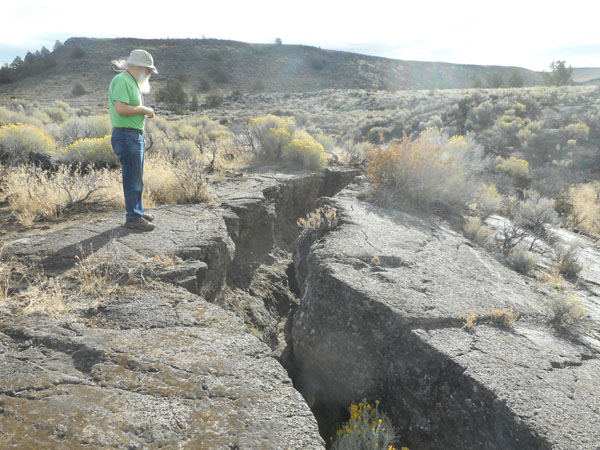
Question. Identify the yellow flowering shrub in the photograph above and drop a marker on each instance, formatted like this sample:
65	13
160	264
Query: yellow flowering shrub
305	150
277	137
97	151
18	140
367	428
512	165
578	131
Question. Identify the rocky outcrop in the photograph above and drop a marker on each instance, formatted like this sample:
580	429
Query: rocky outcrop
166	364
384	296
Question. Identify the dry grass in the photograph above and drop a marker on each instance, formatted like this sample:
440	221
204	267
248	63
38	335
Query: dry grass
35	194
44	296
505	317
175	182
470	319
98	274
324	218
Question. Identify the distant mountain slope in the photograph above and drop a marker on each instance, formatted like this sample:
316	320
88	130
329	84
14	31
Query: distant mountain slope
586	75
231	65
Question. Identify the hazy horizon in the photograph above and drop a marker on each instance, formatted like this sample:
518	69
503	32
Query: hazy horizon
463	32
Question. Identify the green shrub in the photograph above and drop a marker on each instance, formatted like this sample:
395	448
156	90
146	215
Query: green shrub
77	52
78	89
214	99
523	261
173	94
95	151
18	140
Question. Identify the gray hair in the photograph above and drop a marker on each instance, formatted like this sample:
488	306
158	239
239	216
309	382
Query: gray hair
120	65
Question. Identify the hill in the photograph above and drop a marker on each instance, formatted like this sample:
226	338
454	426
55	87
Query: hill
211	64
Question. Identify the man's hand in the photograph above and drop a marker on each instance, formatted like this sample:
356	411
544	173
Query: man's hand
149	112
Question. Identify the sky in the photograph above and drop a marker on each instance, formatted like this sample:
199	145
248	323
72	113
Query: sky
509	33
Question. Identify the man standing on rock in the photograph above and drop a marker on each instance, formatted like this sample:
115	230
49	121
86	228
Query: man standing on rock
127	116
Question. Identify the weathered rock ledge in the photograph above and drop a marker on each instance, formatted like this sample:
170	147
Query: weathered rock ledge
152	367
380	317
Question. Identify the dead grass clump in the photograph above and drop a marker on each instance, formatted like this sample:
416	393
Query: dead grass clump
324	218
44	296
35	194
100	275
12	274
505	317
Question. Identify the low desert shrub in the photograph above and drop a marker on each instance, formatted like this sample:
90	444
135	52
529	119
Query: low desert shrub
568	263
585	209
94	151
566	308
432	172
77	128
18	140
367	428
477	232
489	201
522	260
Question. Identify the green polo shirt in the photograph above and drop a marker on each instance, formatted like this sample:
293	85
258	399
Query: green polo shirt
124	88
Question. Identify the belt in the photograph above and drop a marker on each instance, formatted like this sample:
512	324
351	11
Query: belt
129	129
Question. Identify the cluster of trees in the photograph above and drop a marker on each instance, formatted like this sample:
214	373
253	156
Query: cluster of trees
33	63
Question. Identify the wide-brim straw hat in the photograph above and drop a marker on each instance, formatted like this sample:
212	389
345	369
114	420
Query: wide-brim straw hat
141	58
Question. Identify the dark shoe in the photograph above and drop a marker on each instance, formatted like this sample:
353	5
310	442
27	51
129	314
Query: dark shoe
148	217
140	224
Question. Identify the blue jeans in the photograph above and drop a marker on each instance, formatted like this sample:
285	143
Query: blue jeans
129	147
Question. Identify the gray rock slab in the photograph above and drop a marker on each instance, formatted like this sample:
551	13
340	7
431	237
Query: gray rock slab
382	316
147	370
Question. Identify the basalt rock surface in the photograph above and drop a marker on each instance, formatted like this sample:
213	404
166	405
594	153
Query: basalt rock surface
156	365
382	316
